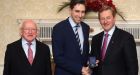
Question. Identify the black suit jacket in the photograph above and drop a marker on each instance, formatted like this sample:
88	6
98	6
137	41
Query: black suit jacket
121	55
66	51
16	62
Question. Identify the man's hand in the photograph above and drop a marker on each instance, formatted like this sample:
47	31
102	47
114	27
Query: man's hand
86	71
97	62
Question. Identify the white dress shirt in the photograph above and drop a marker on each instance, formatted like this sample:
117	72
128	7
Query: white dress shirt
80	31
26	47
110	33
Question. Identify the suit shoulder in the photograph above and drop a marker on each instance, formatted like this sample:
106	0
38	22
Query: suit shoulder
125	33
60	24
11	47
85	24
98	35
42	44
43	47
14	43
60	27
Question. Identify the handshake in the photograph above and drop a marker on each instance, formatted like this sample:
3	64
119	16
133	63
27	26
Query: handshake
91	64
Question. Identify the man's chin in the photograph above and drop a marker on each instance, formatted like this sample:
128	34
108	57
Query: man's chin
30	39
78	22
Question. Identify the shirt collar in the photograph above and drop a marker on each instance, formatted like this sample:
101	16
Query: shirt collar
73	24
110	32
25	42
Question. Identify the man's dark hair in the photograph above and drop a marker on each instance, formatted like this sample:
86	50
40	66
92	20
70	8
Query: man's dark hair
74	2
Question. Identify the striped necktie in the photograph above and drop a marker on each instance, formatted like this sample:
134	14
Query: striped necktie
77	37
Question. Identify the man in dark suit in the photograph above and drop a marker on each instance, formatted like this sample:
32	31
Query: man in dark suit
69	49
114	48
27	56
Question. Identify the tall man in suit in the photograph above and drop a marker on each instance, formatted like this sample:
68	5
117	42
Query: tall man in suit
114	48
27	56
71	53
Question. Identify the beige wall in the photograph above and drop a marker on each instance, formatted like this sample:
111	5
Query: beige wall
11	10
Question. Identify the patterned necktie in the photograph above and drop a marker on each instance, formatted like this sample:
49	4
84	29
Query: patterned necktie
77	37
30	53
104	47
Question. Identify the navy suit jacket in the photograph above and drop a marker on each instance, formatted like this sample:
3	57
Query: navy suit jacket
121	55
66	51
16	62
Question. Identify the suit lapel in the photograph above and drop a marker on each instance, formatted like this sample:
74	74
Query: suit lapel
112	42
85	35
71	33
22	53
36	53
100	42
84	32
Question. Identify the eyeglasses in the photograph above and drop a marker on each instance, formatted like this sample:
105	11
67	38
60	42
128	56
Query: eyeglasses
29	29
